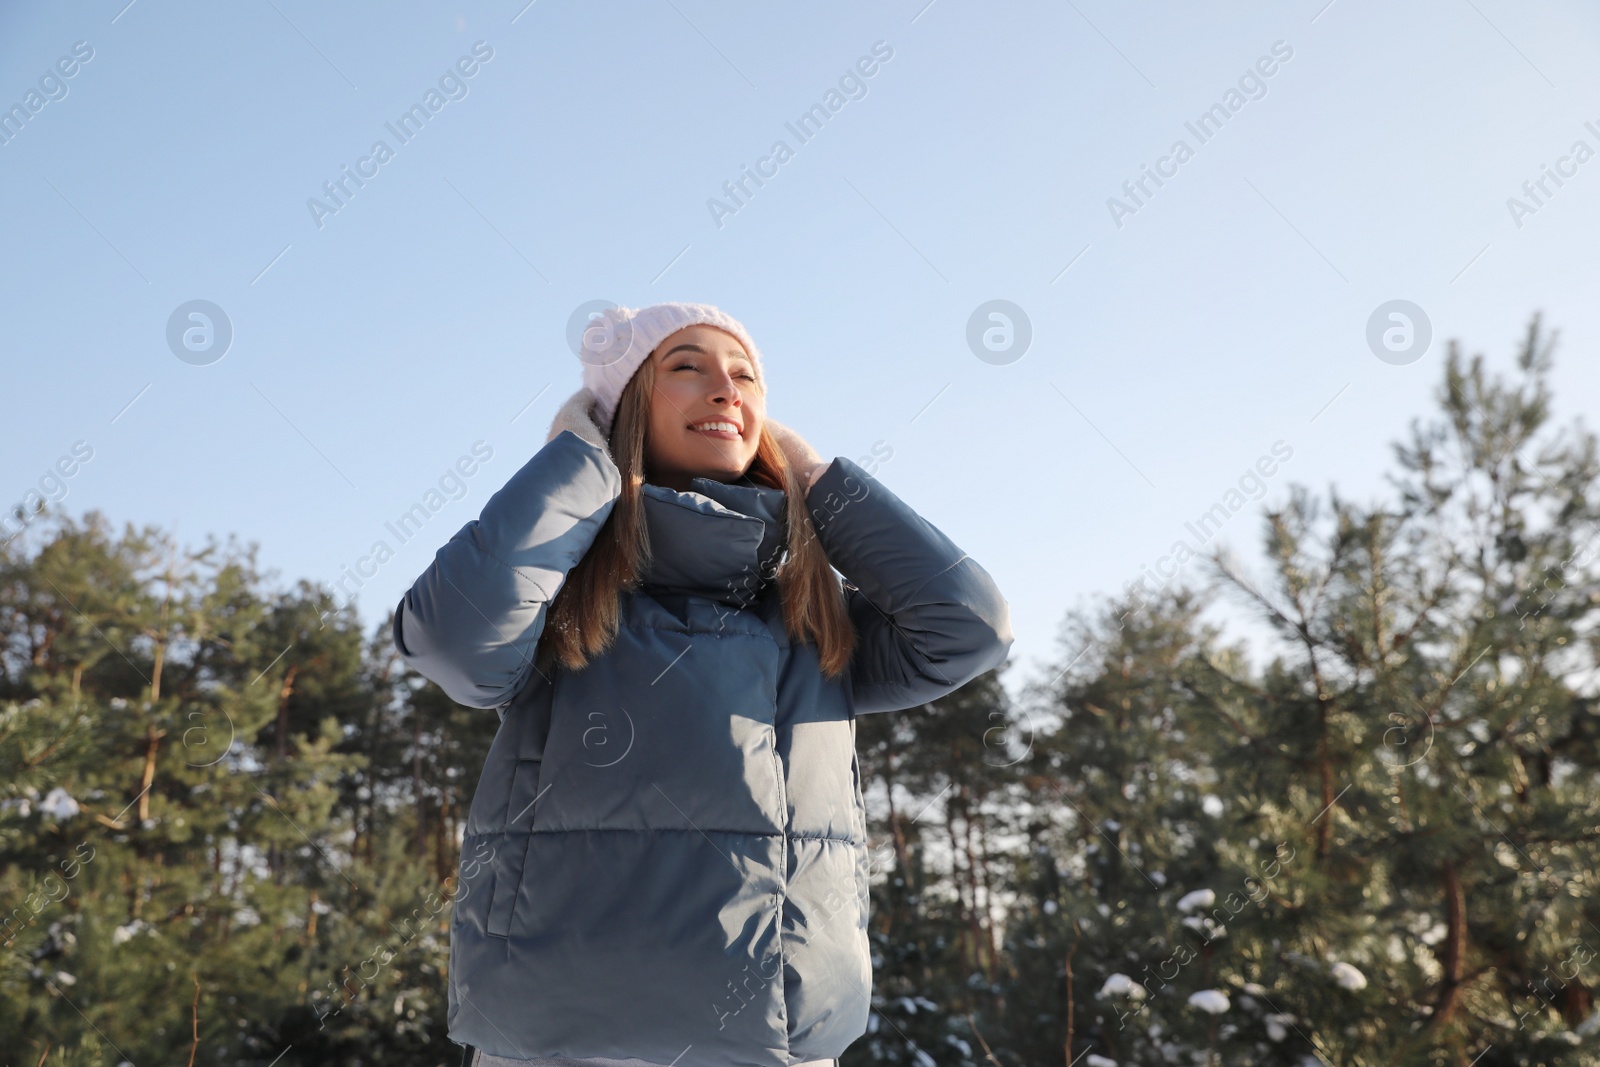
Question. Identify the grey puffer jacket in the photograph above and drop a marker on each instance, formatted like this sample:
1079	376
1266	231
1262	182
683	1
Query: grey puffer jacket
666	852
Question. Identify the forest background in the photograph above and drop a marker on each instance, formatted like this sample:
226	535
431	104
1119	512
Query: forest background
230	822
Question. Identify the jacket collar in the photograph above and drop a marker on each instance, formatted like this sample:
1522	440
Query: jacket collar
720	540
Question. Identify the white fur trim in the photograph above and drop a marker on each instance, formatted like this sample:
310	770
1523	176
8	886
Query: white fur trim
575	415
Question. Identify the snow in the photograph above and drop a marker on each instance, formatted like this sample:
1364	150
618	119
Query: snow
123	933
1120	984
1211	805
1200	898
910	1005
1091	1060
1205	925
1214	1001
1348	976
1275	1025
59	802
1049	907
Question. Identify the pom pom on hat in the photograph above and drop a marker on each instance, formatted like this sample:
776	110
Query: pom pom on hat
618	340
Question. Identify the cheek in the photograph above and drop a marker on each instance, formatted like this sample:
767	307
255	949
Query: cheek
663	408
675	393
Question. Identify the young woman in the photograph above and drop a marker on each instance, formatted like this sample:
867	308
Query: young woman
665	859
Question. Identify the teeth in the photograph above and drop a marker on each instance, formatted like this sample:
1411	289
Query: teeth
728	426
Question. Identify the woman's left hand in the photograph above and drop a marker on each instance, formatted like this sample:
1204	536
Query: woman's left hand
808	464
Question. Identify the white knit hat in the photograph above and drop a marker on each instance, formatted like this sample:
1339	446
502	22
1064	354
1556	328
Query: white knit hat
618	340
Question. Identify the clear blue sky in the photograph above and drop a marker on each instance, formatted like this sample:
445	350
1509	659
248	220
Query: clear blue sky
1172	345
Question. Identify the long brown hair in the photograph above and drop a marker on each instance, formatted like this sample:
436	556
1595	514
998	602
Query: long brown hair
583	617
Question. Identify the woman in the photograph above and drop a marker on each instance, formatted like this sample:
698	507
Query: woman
665	859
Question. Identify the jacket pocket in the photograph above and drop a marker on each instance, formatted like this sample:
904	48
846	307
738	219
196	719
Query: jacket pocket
518	832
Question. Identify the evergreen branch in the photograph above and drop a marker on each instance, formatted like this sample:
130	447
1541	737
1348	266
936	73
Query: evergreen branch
195	1010
1255	742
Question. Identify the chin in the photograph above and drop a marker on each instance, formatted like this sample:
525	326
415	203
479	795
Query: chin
726	474
689	472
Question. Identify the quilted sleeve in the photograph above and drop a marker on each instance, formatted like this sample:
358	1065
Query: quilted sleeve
470	622
929	619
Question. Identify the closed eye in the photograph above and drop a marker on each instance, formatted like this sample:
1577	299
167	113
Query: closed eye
690	366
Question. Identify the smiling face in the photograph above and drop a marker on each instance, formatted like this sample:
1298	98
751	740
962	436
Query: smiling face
702	376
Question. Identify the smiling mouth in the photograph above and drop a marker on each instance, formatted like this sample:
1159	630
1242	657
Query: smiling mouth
723	435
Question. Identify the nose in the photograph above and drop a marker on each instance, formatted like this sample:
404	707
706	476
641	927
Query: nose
723	387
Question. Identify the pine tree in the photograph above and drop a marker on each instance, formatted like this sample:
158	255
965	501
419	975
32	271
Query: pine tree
1109	941
937	871
172	743
1380	848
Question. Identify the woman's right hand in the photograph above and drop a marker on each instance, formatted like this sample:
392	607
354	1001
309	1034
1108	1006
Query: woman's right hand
576	414
807	464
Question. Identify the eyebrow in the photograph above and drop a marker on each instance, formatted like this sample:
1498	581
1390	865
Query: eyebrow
704	352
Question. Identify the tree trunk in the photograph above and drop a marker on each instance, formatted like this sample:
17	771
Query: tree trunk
979	919
968	944
1455	945
284	692
416	786
152	745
